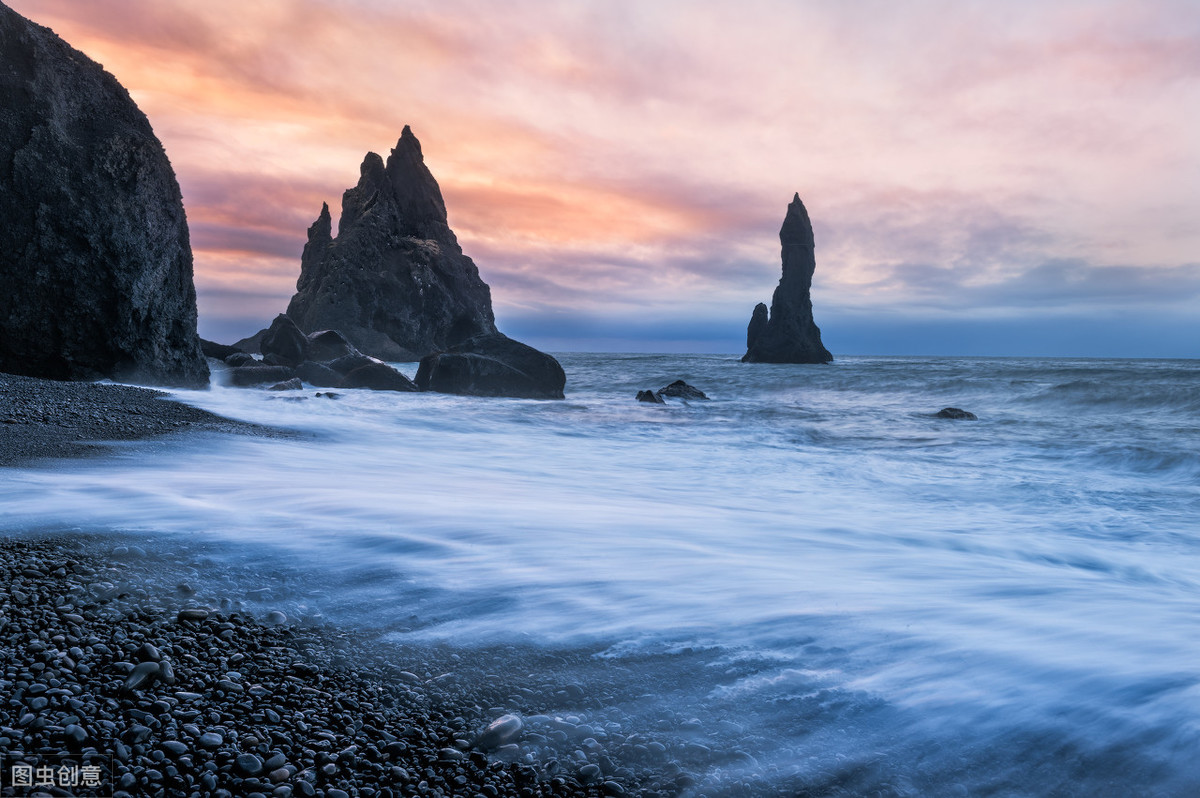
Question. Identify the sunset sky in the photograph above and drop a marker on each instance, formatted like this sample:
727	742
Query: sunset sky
983	177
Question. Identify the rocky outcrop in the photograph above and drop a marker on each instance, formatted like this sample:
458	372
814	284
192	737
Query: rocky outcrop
789	334
324	359
95	261
219	351
676	390
492	365
651	397
285	342
377	377
956	414
394	280
681	390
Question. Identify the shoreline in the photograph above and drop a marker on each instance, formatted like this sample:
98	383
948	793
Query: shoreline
264	705
47	419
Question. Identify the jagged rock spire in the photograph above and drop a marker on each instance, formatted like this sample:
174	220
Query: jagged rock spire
394	280
789	334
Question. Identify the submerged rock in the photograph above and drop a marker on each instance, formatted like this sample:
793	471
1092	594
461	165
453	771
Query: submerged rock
293	384
681	390
492	365
95	259
789	334
651	397
956	413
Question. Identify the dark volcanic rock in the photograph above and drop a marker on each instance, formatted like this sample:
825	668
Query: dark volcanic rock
758	323
286	341
293	384
218	351
326	345
394	281
681	390
378	377
319	374
789	334
240	359
348	363
243	376
95	260
956	413
492	365
251	344
651	397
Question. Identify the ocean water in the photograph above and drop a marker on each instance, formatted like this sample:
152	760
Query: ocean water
892	603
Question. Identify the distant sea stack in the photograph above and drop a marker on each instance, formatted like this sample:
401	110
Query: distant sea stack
95	260
394	280
789	334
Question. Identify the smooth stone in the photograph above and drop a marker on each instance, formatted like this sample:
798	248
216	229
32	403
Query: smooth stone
249	764
194	614
174	747
211	740
501	731
142	675
589	773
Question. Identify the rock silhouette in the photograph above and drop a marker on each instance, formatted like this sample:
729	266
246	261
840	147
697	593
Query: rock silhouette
789	334
492	365
394	280
95	258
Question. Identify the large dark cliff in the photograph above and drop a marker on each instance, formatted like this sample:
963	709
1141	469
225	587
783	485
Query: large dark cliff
95	261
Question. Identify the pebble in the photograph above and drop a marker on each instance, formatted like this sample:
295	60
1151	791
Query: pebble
501	731
174	747
194	614
268	708
249	764
141	676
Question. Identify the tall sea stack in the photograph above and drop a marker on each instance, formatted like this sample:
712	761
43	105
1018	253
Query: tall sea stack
394	280
789	334
95	261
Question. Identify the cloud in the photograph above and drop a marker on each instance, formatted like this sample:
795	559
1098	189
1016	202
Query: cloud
620	156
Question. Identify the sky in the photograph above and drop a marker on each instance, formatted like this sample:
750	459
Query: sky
984	178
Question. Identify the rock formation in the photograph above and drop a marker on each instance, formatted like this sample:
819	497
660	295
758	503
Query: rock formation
324	358
676	390
95	261
394	280
789	334
492	365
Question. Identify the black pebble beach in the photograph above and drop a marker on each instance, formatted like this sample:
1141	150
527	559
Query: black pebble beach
190	700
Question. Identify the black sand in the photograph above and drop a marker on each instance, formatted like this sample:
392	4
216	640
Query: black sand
43	419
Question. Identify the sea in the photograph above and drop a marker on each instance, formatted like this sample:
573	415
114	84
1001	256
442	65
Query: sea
890	603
